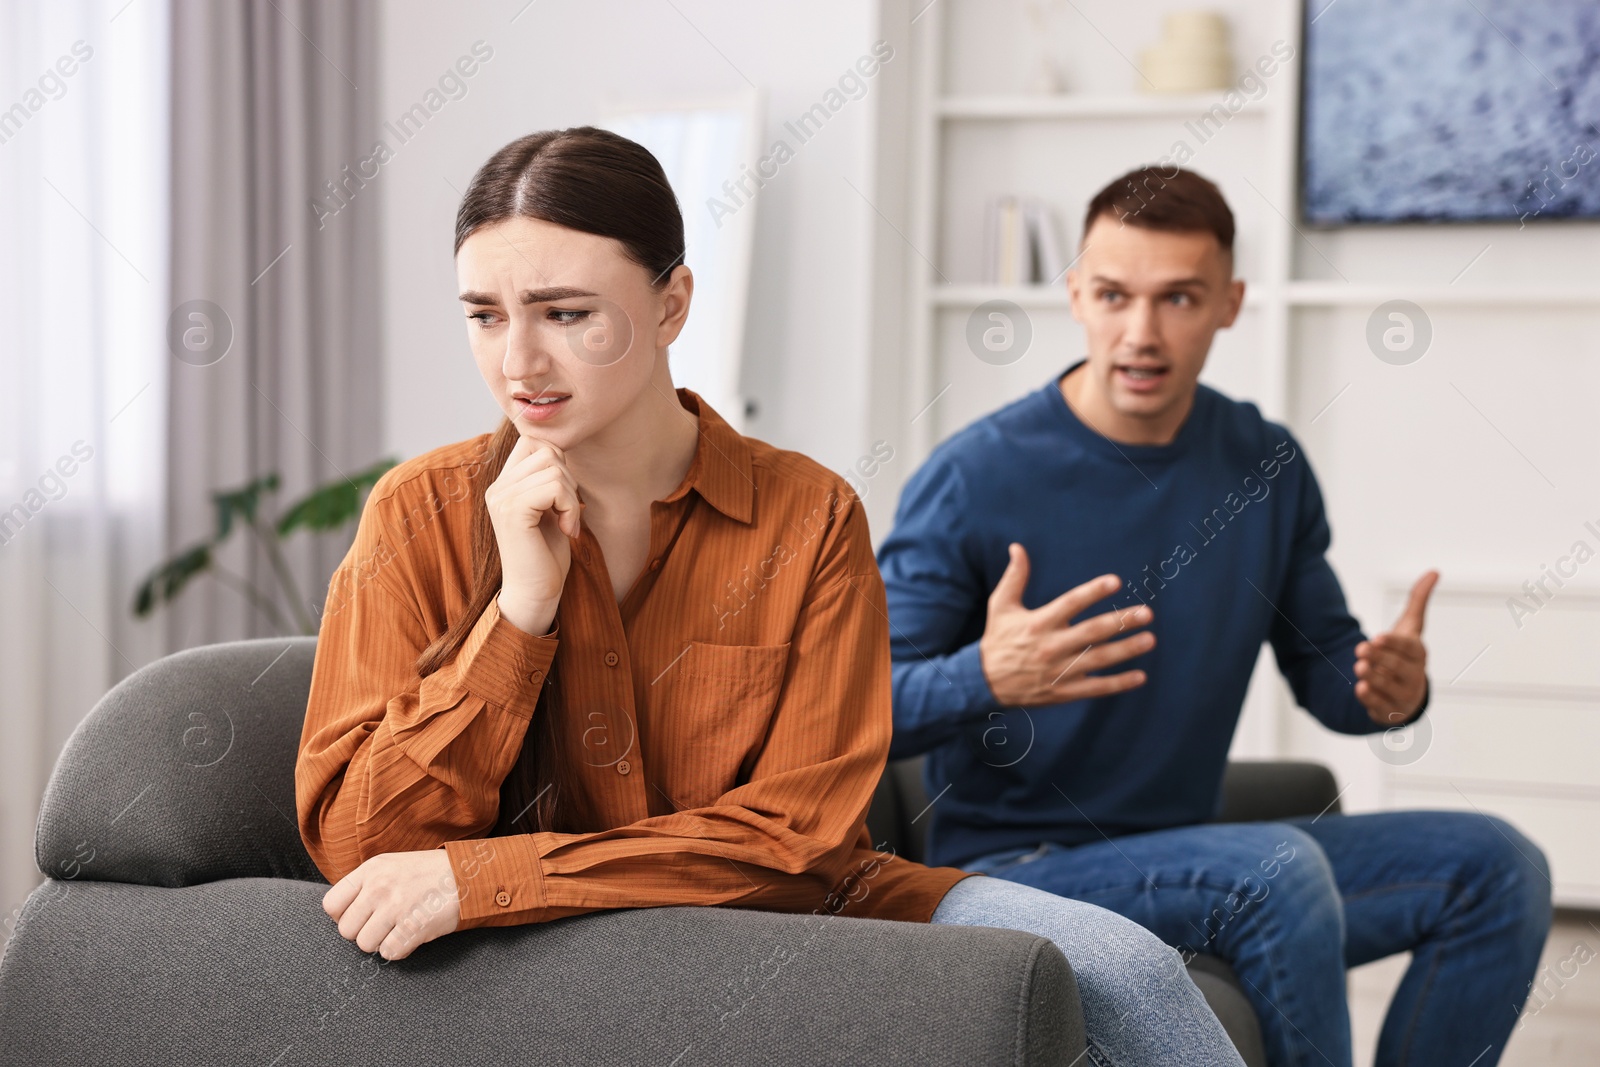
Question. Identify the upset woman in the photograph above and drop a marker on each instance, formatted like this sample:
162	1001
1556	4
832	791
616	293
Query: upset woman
615	654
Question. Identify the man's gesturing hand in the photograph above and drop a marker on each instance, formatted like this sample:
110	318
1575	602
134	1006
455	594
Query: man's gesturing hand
1037	657
396	901
1391	669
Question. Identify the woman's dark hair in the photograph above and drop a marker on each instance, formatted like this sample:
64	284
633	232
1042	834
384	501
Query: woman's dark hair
597	182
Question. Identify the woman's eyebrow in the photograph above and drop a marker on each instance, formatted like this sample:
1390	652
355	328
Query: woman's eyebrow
527	296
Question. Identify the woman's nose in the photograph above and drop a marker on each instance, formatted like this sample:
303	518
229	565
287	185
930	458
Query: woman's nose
525	358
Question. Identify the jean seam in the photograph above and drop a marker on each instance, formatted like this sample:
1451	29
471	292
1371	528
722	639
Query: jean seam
1470	901
1095	1054
1281	986
1454	887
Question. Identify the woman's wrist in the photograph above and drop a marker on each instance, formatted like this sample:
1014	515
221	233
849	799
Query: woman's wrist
534	619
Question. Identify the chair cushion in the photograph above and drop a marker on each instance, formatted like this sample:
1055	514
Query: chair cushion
184	772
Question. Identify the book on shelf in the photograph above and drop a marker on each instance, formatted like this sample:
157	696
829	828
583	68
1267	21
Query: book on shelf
1022	242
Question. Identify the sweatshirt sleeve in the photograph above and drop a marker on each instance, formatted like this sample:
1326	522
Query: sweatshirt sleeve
390	761
1313	634
782	839
938	601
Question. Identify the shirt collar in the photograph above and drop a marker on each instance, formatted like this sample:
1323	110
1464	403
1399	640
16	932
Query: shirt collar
721	471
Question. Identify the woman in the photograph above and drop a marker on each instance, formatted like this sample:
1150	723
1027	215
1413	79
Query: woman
618	655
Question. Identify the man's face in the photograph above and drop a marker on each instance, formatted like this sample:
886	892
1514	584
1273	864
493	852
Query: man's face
1150	301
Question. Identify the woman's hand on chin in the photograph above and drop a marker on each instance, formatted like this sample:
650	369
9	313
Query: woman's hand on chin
534	509
396	901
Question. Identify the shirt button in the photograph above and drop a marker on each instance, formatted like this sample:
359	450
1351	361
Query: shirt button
611	657
655	564
502	898
536	676
623	766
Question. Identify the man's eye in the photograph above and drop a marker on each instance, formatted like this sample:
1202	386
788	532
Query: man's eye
1110	297
482	318
1180	299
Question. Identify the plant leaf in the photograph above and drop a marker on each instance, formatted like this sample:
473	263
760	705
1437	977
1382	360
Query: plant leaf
167	581
330	506
243	502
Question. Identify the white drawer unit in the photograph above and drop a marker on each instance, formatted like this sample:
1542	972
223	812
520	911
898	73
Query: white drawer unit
1513	728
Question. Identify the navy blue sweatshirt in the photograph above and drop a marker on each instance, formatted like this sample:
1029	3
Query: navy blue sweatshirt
1221	532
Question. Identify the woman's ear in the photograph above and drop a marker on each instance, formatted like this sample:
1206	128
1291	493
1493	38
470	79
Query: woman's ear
675	298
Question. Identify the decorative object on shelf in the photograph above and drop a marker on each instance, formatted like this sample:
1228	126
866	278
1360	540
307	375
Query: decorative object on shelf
1044	76
326	508
1022	243
1192	56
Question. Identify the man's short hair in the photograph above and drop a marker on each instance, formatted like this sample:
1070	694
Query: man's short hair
1169	199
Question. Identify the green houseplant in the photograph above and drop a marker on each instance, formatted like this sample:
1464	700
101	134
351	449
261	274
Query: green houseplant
327	508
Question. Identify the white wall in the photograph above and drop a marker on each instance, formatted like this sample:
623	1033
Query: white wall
553	65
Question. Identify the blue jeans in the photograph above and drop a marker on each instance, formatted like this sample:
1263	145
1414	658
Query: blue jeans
1139	1006
1290	905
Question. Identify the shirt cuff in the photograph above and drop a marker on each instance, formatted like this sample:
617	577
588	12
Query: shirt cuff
499	880
966	670
504	665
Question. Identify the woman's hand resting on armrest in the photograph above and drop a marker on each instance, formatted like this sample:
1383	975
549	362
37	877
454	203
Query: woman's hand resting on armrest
396	901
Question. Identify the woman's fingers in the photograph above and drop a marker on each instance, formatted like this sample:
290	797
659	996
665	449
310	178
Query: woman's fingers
338	898
543	492
374	931
533	465
357	916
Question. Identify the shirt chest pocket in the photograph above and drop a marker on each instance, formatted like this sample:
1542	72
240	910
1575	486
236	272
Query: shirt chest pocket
710	722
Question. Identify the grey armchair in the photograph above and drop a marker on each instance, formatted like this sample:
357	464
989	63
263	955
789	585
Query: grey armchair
181	923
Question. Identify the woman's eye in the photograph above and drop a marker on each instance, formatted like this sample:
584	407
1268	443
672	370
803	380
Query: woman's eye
564	317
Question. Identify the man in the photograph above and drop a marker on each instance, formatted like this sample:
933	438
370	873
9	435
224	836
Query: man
1083	752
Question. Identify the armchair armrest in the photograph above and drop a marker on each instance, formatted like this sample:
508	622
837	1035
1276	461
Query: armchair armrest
251	971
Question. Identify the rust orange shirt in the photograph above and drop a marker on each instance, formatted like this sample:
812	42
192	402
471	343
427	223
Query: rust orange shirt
733	709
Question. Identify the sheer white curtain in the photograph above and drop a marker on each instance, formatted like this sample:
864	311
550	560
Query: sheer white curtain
84	141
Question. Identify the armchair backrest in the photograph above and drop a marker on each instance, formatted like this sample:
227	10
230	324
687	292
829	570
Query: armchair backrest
184	772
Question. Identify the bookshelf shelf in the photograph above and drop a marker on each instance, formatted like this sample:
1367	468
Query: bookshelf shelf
1343	294
1068	106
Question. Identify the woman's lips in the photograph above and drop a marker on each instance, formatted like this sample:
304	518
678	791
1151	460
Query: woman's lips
526	409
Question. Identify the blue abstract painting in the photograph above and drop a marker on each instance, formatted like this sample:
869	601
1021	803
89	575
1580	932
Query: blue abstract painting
1450	110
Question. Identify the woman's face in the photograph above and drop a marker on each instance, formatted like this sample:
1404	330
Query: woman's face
558	315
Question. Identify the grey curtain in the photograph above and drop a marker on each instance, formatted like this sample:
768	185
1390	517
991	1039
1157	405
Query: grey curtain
274	267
